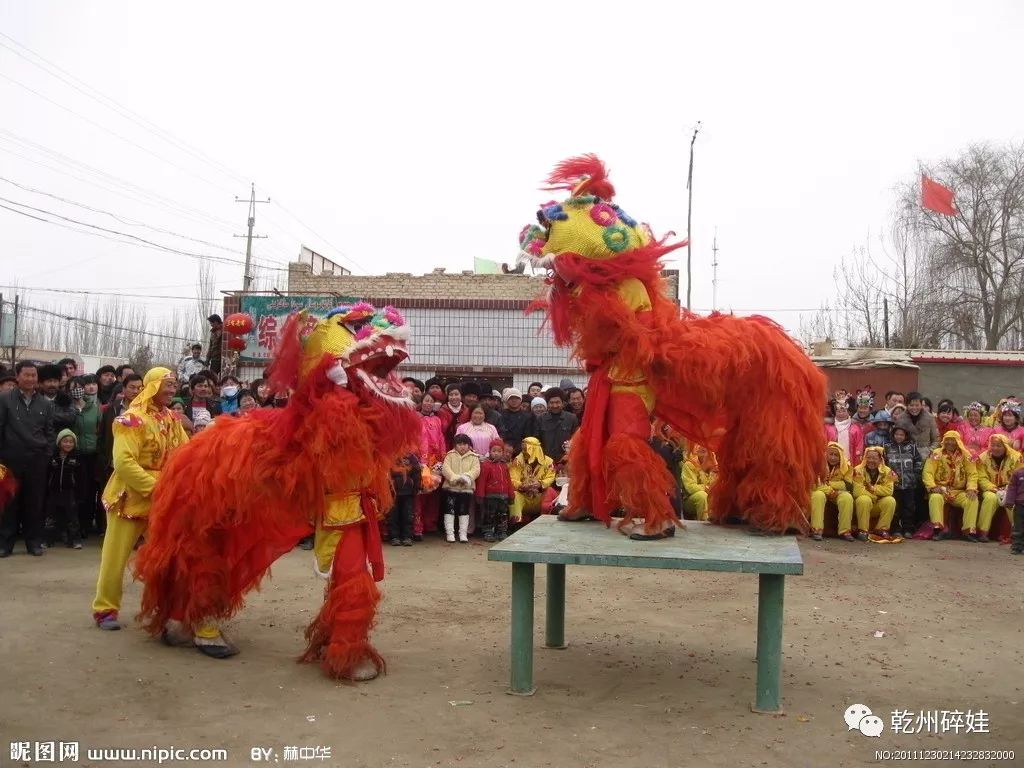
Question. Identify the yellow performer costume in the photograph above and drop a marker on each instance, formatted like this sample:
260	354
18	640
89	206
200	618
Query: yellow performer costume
950	477
530	467
873	484
993	477
144	437
834	486
699	473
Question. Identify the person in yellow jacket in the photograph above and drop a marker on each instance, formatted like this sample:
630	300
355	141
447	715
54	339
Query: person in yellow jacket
700	471
873	484
532	473
950	477
995	467
144	437
835	486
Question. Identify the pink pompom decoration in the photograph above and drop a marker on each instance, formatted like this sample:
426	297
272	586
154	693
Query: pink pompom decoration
603	215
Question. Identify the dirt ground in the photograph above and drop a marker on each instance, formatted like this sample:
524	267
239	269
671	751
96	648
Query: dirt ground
659	671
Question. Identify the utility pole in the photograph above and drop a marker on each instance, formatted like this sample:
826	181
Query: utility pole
247	277
885	320
714	272
689	218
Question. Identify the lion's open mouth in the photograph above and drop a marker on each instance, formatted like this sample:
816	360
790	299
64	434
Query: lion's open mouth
374	366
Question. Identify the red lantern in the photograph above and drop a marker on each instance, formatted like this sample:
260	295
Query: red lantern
239	323
236	343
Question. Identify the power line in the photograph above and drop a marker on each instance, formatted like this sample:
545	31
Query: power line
89	292
72	318
116	217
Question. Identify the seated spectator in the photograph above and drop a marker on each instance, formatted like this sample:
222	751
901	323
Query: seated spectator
1009	423
873	484
479	431
230	394
700	470
879	436
191	364
532	473
950	477
247	402
835	486
556	426
995	468
516	421
973	431
903	458
107	377
923	430
843	429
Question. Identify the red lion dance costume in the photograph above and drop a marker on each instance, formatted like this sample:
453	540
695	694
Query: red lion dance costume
739	386
241	493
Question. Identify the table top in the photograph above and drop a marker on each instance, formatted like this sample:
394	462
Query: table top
701	547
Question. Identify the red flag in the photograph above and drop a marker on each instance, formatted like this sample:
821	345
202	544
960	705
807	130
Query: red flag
936	197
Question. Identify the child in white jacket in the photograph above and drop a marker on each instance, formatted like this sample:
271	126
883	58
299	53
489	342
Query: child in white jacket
460	469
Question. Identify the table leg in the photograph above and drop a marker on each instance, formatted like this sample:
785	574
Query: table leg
769	643
522	629
554	617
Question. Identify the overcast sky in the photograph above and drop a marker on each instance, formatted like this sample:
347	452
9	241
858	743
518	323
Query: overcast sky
415	135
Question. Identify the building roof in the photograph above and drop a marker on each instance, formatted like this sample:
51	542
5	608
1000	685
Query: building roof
865	357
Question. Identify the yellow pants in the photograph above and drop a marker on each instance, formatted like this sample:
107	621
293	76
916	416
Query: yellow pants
118	543
970	507
697	505
523	503
885	508
843	500
989	507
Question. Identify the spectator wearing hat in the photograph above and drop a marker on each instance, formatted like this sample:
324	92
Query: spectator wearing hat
538	407
107	378
879	436
490	399
64	411
556	426
973	430
516	421
214	347
191	364
864	402
27	437
453	413
1008	423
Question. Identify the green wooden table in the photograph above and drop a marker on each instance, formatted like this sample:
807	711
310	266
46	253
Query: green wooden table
701	547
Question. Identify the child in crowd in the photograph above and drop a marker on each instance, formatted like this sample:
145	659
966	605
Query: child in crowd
879	436
460	469
405	477
903	458
1015	500
494	492
834	486
699	472
61	507
538	406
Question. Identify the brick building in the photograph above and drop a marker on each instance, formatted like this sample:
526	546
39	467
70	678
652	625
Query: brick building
464	325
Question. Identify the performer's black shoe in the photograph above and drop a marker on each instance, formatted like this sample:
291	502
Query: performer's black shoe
585	518
668	533
218	651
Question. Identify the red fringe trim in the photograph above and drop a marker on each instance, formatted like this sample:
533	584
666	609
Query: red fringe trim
338	638
8	487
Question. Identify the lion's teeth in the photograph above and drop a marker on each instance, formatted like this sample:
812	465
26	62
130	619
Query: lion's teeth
389	351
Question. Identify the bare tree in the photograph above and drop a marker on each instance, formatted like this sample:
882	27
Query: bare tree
978	254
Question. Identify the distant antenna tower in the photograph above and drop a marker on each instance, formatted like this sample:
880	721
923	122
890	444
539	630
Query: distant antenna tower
714	272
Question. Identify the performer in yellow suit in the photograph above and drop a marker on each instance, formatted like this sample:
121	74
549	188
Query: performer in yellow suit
144	436
700	470
995	467
532	473
950	477
873	483
834	486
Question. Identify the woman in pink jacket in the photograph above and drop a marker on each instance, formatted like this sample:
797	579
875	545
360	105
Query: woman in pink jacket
1009	423
843	429
432	451
974	433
